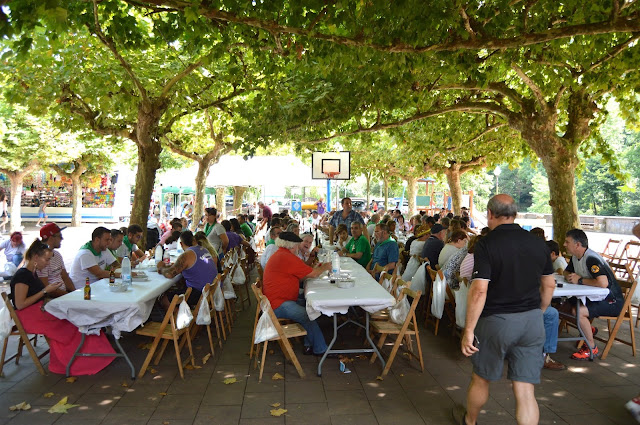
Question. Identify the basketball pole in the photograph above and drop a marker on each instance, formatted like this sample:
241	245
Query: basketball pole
328	195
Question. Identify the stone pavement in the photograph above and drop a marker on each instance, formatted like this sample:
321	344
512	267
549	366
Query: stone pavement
588	392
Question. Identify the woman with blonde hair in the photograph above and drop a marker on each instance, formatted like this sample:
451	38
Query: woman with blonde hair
201	239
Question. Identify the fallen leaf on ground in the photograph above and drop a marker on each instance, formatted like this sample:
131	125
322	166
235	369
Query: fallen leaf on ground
191	367
278	363
145	346
199	347
406	354
20	406
277	376
379	378
230	381
206	358
275	405
48	395
345	359
271	351
62	406
162	394
166	423
402	374
153	371
361	356
278	412
72	379
124	384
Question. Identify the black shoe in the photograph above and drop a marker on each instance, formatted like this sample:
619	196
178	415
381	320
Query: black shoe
329	356
459	414
307	351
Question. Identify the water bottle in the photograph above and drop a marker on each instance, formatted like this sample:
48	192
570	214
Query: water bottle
126	272
158	255
166	259
335	263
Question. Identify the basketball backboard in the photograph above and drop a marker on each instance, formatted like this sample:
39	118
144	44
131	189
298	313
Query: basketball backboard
336	164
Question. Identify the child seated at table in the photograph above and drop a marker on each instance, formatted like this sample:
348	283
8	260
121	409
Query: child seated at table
28	295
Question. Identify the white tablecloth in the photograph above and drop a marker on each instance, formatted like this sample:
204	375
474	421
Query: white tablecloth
326	298
122	311
579	291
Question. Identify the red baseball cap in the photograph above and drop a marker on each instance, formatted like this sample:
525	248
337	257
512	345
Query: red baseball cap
49	230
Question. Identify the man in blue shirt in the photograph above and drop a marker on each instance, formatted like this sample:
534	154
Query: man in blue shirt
346	216
386	251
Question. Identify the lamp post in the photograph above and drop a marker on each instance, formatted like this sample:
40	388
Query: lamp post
497	173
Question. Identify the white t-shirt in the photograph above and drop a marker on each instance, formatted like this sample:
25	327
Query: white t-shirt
53	272
85	259
10	250
447	252
214	236
124	251
268	252
560	263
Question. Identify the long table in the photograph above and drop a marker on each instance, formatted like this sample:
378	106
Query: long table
121	311
326	298
581	292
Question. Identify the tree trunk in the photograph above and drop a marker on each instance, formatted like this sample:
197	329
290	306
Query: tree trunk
238	194
453	179
76	200
562	191
412	191
220	204
201	181
16	179
148	164
367	176
386	193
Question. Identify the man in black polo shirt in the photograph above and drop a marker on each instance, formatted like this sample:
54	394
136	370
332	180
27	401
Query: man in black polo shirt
512	284
433	245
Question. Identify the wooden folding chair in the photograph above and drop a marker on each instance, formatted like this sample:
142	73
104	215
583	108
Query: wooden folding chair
167	331
285	332
229	304
218	315
611	249
245	268
408	328
430	318
24	341
628	288
212	313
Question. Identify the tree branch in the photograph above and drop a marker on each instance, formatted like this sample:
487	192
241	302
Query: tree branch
469	107
467	22
472	163
109	43
491	87
614	52
537	92
188	70
527	39
175	146
90	116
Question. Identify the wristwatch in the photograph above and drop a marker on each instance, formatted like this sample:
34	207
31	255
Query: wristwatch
580	282
44	292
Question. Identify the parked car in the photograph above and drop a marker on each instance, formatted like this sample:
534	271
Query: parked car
359	204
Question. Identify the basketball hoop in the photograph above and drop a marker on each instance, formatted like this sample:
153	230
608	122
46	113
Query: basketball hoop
330	174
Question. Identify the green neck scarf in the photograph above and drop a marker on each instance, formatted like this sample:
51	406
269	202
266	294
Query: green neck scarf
90	248
127	242
271	242
208	227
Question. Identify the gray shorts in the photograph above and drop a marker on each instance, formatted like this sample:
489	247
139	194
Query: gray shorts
516	337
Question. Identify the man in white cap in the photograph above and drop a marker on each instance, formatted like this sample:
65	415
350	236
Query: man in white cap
55	272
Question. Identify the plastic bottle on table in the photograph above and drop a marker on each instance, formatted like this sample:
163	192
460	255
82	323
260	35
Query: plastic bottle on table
126	272
159	253
165	257
335	263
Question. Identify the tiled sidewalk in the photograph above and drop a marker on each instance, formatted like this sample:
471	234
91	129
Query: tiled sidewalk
586	393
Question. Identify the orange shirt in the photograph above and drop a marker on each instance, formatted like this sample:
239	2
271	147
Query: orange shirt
282	277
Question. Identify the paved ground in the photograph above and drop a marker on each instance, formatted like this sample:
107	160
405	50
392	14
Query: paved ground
586	393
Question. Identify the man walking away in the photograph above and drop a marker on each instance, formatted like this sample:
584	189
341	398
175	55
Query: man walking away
512	285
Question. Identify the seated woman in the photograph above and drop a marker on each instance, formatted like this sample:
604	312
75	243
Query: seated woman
201	239
457	240
282	278
14	248
197	267
28	294
343	236
305	253
466	267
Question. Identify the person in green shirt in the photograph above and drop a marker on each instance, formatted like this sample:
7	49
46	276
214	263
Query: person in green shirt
358	246
244	227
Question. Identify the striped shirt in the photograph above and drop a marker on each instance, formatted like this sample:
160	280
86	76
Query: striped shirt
53	272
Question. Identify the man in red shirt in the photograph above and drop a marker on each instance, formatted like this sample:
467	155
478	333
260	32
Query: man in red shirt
281	286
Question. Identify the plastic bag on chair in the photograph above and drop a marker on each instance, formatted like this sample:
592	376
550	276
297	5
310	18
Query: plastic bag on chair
461	304
184	317
5	322
204	312
386	281
238	277
398	313
218	299
265	330
412	268
437	301
419	279
227	289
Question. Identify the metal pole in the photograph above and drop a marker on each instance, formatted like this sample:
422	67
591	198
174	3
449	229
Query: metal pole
328	195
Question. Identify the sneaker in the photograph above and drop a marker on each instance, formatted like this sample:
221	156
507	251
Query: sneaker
594	330
633	406
583	353
551	364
